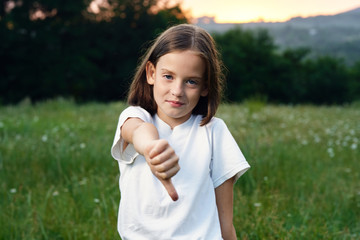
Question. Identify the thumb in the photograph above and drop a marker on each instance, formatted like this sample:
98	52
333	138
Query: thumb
170	189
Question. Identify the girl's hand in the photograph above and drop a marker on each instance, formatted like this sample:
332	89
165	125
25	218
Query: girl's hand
164	164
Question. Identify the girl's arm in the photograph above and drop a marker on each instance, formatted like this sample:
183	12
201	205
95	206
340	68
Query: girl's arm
224	202
158	153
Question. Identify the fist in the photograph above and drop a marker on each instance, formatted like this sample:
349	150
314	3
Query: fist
164	164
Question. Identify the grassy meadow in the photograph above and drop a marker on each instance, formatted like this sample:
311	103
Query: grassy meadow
58	180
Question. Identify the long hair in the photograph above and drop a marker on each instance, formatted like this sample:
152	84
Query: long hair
181	38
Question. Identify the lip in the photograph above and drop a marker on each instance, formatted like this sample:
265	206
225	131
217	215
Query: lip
175	103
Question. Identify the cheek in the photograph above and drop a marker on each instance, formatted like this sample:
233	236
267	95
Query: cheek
160	87
194	97
158	91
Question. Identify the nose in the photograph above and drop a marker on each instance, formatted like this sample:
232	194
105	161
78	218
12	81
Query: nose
177	89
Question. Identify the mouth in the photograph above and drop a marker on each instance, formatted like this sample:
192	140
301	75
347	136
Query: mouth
175	103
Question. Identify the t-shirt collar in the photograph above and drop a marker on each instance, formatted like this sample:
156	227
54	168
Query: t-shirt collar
165	129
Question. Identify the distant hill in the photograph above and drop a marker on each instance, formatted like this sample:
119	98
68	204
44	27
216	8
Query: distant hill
335	35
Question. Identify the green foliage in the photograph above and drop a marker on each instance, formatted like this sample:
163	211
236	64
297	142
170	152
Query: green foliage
354	84
75	53
246	55
327	81
256	67
58	180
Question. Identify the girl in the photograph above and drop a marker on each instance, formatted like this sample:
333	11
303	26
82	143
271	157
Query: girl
178	162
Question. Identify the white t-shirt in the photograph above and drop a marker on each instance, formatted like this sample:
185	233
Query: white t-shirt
208	156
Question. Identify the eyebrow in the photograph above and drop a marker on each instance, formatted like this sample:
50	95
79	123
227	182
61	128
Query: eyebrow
166	70
192	77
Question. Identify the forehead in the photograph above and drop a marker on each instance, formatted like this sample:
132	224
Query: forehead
187	62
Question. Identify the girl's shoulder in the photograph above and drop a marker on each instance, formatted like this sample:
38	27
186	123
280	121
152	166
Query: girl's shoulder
136	111
215	126
216	123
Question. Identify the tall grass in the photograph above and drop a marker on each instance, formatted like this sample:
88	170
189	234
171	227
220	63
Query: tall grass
58	180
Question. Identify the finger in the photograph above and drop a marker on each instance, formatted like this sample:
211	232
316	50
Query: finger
170	189
158	148
169	173
167	155
167	165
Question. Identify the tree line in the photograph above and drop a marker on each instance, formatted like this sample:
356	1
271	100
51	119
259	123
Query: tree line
63	48
256	68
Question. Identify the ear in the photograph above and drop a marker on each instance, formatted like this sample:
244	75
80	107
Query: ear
150	73
204	92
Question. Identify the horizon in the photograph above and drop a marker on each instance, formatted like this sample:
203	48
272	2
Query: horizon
232	11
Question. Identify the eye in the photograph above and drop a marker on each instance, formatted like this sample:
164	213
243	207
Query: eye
168	77
191	82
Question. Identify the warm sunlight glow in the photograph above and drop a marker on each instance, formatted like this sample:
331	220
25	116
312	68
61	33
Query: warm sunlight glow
236	11
95	5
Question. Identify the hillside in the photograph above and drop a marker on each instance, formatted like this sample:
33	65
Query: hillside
335	35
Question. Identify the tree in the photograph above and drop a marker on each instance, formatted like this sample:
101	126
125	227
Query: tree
354	84
248	56
327	81
289	76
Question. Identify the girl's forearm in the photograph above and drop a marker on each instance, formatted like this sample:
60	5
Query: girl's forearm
143	135
224	203
145	138
139	133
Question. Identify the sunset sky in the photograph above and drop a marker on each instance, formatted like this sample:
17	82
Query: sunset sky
267	10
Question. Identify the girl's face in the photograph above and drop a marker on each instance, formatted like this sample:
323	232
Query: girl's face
178	81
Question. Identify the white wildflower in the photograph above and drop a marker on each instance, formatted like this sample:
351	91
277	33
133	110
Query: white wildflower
83	181
353	146
347	138
96	200
13	190
56	193
44	138
257	204
317	139
82	145
331	152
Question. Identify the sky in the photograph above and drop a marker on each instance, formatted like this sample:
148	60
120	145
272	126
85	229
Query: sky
237	11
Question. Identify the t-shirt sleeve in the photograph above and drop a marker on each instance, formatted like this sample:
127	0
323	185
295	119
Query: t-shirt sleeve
129	154
227	159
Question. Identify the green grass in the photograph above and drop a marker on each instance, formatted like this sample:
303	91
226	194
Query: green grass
58	180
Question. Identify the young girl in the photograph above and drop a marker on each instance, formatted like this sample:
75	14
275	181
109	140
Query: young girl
178	162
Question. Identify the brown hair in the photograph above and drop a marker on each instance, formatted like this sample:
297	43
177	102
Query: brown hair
180	38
